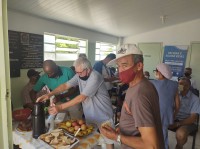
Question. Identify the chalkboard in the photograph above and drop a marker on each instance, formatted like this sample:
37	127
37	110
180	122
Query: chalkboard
31	49
26	51
14	52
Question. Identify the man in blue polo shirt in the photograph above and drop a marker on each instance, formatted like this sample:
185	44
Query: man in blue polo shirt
53	77
187	115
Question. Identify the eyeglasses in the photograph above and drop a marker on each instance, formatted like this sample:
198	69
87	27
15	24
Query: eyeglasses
80	72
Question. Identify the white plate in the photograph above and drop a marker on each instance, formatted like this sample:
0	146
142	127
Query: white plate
20	131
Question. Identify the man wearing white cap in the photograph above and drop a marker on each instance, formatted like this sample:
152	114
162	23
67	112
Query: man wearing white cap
140	123
168	97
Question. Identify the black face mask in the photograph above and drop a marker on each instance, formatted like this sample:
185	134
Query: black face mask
187	74
84	78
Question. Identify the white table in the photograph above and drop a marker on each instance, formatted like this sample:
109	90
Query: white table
26	141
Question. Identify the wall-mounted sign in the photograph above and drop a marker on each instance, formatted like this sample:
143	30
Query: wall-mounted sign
175	57
26	51
31	50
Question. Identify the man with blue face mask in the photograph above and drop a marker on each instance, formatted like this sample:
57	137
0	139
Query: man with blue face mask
97	106
187	115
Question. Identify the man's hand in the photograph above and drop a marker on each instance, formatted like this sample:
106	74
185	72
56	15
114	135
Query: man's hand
109	132
174	126
43	98
54	109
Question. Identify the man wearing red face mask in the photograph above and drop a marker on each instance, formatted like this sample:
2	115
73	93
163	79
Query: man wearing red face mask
140	123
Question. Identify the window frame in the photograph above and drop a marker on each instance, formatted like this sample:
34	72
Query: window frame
56	51
106	52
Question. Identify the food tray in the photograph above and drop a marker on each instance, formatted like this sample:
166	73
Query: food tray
88	129
68	146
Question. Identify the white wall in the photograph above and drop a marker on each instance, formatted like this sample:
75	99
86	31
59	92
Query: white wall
27	23
181	34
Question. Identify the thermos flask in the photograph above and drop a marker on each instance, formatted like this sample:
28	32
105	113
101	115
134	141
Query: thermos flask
38	120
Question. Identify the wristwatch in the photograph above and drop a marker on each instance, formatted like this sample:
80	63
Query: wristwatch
119	139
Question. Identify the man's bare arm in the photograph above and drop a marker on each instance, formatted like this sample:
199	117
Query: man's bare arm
148	139
63	87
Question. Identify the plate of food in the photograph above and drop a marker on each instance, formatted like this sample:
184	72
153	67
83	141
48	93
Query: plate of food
72	126
59	139
24	126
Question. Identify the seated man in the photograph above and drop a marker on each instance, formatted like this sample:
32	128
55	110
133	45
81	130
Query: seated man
33	76
187	115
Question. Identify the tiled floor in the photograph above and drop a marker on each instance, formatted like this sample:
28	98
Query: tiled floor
172	142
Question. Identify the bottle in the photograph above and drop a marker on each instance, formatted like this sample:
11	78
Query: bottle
50	119
38	120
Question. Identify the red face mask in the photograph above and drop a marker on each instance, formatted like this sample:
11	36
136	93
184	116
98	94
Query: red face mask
127	76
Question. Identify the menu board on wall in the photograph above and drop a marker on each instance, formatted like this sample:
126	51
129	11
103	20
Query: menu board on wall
26	51
31	49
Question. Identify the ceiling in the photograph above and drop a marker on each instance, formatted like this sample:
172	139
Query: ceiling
115	17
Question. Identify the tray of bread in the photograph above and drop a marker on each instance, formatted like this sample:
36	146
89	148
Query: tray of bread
59	139
72	126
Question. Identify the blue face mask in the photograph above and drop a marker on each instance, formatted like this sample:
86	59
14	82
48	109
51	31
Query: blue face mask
84	78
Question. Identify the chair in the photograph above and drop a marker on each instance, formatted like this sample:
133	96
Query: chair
193	134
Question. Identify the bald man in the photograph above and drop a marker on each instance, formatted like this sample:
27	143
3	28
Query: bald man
54	76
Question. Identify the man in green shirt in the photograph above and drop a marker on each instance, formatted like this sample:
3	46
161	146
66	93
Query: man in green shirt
53	77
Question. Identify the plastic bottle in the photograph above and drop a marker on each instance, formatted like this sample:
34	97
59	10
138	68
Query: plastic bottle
50	120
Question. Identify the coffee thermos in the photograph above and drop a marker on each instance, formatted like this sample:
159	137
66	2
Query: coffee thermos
38	120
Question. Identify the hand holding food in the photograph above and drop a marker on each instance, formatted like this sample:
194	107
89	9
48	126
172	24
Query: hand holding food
108	132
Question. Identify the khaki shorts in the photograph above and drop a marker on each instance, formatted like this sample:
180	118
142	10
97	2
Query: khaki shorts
189	128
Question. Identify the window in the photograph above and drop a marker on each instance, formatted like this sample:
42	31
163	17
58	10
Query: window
103	49
63	48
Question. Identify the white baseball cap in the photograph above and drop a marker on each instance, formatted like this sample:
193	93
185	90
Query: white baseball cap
165	70
124	50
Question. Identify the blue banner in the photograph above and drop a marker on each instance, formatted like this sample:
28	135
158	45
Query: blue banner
175	57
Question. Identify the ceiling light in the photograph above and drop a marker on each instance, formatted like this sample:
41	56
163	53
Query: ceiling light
163	18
